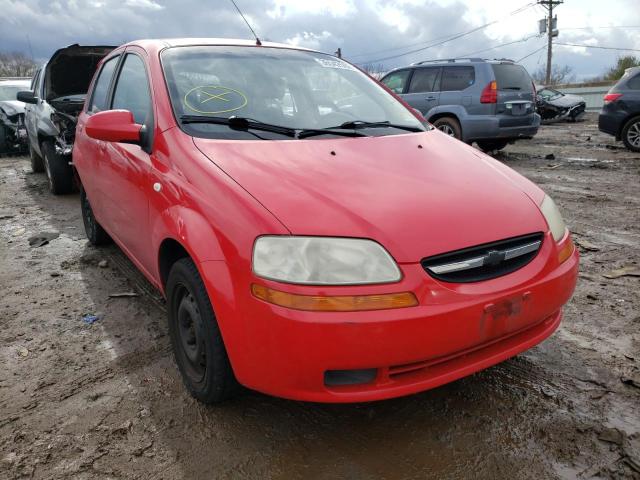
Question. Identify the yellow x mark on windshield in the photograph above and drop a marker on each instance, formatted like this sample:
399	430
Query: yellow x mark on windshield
219	96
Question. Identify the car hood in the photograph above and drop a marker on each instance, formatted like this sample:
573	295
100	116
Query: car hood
69	70
566	100
14	106
417	194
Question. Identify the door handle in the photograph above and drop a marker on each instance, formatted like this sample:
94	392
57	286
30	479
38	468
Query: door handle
430	97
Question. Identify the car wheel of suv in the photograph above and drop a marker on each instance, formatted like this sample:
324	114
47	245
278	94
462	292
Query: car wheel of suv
59	172
37	164
492	145
450	126
95	233
197	343
631	134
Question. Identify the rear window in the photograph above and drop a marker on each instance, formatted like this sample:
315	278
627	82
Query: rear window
634	83
512	77
457	78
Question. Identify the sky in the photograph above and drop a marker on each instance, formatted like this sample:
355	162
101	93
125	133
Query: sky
367	31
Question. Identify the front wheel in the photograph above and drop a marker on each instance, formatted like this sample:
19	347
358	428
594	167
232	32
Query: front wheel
59	172
37	165
450	126
197	343
492	145
631	134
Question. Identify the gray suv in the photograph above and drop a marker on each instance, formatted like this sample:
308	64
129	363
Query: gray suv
490	102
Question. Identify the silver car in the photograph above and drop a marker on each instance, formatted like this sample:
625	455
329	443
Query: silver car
490	102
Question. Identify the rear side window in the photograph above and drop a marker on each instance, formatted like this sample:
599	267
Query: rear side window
510	76
424	80
457	78
634	83
132	90
101	88
397	81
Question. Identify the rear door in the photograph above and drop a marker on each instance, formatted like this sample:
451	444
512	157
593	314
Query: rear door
456	83
423	91
515	94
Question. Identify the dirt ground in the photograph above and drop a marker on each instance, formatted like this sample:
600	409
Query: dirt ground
104	400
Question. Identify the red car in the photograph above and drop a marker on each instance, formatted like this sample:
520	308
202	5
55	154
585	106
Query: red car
314	238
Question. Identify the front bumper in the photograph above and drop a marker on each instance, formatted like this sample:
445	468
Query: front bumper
456	330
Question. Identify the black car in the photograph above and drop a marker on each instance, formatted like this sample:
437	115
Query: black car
56	97
554	105
620	115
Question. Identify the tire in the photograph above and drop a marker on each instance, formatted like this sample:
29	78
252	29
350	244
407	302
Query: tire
197	343
3	140
95	233
492	145
37	164
450	126
631	134
59	172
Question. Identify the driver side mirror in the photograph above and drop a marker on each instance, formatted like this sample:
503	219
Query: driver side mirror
27	96
114	126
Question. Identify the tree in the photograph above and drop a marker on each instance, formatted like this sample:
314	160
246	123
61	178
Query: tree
375	70
615	72
16	64
558	74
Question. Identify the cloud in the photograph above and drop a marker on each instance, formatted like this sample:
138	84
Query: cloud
366	31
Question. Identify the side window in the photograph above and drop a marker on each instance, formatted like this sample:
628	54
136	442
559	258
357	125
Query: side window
634	83
397	80
34	82
424	80
457	78
132	90
101	88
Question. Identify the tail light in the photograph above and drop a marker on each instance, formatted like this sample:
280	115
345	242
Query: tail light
611	97
489	93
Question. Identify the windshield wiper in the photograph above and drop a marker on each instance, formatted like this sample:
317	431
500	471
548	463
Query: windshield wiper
510	88
240	123
357	124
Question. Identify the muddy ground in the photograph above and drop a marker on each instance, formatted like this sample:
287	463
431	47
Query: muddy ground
104	401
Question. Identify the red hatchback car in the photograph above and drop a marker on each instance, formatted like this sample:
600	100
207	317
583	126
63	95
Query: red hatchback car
314	238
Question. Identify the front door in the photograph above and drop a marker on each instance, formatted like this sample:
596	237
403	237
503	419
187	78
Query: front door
127	182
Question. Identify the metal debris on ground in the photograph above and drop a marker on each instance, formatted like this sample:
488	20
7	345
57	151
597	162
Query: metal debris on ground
42	239
123	294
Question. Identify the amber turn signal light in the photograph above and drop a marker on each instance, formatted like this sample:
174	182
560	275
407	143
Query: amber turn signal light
341	303
566	251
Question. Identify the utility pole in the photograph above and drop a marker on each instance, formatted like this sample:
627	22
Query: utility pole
549	4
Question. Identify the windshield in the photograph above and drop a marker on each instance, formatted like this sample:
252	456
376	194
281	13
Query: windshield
9	92
289	88
549	94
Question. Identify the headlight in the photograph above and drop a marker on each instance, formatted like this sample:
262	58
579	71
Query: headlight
553	217
323	261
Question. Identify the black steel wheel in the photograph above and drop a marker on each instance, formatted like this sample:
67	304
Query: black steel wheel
94	231
197	343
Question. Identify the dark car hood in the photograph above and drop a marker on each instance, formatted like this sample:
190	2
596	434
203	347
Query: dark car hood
567	100
416	201
70	70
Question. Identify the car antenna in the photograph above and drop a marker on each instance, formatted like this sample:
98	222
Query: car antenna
258	42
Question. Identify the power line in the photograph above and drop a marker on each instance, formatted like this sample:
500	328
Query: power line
596	46
532	53
607	26
501	45
453	37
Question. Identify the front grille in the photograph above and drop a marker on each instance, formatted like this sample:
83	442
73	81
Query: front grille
484	262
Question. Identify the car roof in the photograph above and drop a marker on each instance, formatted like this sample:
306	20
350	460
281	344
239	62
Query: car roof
160	43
